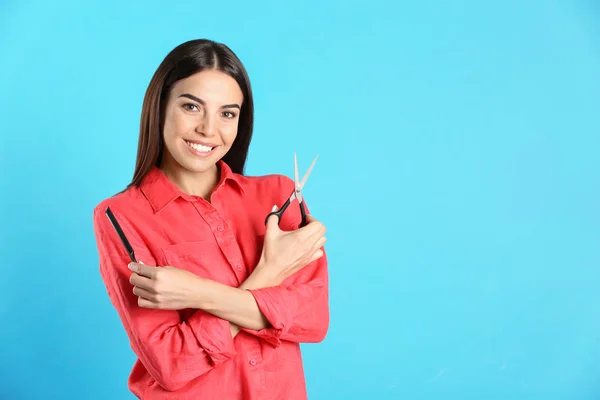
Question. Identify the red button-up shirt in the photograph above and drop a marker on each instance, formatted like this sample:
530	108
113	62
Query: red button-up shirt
190	354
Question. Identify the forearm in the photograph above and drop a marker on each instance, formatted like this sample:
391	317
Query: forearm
297	311
236	305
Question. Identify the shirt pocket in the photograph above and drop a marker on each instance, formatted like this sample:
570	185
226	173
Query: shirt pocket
202	258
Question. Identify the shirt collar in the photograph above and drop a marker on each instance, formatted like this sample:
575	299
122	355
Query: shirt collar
160	191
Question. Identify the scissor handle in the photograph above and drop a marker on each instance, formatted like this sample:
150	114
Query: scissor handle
304	221
278	213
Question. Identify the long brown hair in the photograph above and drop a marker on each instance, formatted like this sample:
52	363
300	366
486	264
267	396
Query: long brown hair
184	60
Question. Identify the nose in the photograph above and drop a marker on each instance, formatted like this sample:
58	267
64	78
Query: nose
207	126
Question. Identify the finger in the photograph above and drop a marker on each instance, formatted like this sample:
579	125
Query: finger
142	282
140	292
317	254
320	225
273	221
323	228
312	221
319	228
143	270
314	228
310	218
319	243
145	303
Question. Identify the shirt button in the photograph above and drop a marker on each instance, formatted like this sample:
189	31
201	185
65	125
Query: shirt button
252	361
220	228
238	267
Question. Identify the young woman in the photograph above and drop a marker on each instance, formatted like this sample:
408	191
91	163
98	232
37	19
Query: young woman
218	302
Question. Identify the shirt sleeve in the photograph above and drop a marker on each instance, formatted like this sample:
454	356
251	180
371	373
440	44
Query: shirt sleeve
298	309
174	351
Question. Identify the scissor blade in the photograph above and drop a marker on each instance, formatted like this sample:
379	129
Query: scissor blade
296	174
308	173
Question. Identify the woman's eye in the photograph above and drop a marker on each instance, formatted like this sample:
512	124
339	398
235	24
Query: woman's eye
190	107
229	114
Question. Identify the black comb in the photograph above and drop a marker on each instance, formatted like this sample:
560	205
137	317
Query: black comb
121	234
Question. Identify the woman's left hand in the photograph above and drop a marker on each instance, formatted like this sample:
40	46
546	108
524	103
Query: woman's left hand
164	288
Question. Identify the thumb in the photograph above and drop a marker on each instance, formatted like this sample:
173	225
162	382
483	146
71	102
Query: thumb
143	269
273	221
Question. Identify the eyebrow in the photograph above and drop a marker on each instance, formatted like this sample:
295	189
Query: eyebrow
199	100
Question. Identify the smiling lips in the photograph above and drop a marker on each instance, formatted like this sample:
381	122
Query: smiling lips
199	148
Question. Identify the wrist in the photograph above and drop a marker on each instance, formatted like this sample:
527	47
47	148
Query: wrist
259	278
204	294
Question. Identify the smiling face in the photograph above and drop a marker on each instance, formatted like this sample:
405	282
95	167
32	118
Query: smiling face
201	121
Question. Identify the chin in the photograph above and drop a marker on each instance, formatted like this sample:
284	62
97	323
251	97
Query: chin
199	165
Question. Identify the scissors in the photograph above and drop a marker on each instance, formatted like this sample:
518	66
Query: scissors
296	194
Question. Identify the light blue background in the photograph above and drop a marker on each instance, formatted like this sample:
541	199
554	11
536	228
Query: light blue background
458	178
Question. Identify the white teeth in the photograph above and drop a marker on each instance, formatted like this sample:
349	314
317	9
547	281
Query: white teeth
199	147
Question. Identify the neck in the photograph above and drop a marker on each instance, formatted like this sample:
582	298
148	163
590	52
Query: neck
193	183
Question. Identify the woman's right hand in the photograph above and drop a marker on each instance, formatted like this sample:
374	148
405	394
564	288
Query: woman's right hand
286	252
